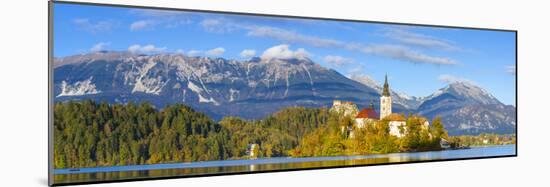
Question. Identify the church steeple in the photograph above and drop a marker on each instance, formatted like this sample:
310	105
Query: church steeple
386	91
385	100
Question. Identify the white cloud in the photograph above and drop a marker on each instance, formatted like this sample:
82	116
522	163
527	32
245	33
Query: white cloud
93	27
446	78
212	25
210	22
147	49
397	52
215	52
220	25
337	61
283	52
212	52
292	37
159	18
99	46
357	71
248	53
141	25
194	53
180	51
511	69
405	54
421	40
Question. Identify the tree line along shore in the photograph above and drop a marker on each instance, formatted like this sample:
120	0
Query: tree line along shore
91	134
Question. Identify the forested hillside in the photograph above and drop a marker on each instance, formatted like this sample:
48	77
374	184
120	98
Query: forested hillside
90	134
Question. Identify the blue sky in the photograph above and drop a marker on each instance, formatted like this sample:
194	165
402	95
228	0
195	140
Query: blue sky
418	60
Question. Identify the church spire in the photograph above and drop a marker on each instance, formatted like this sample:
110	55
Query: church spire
386	91
385	100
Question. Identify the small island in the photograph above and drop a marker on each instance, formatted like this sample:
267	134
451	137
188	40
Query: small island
354	132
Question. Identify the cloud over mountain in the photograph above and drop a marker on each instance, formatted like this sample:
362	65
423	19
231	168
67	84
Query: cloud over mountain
449	79
284	52
248	53
147	49
397	52
215	52
99	46
194	52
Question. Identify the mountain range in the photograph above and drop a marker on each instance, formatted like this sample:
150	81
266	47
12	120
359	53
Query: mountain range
258	87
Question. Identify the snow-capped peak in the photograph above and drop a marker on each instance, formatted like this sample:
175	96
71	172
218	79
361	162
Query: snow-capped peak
408	101
367	81
467	90
78	88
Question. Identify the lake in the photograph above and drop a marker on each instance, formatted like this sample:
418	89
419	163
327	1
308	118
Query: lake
266	164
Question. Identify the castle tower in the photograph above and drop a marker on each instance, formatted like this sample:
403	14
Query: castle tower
385	100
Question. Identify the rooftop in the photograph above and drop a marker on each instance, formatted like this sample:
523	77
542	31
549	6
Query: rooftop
395	117
367	113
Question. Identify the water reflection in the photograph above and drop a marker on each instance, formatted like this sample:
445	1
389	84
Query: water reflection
82	177
288	163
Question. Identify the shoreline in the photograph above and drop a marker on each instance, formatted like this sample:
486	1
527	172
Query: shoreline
257	161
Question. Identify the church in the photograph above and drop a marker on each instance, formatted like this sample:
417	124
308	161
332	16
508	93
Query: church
395	120
369	115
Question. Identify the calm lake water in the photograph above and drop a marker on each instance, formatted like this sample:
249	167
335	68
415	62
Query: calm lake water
265	164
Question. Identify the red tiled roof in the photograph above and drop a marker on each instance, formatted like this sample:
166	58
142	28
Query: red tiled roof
367	113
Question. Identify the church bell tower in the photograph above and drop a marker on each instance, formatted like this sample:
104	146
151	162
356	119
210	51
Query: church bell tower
385	100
